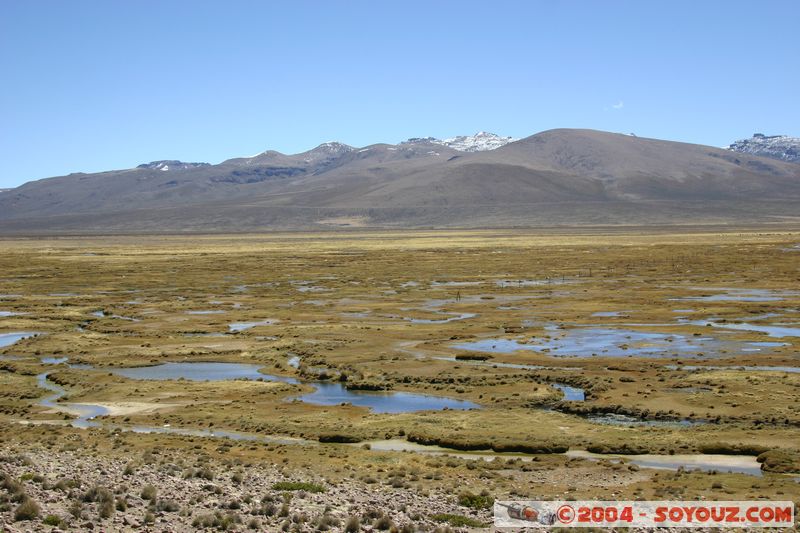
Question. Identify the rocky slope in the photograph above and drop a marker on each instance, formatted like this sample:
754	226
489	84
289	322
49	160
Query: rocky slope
780	147
480	142
557	177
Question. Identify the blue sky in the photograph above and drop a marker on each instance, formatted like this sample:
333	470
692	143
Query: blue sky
96	85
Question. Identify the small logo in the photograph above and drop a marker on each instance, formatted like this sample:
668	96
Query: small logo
566	514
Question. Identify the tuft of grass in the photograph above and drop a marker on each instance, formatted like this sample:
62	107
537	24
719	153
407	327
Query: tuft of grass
383	523
475	501
27	510
52	520
353	525
298	485
167	506
149	492
107	508
457	520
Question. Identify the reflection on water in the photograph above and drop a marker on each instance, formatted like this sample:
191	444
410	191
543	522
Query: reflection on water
604	342
199	372
241	326
615	419
743	464
382	402
85	412
771	331
571	394
454	318
727	294
722	463
324	394
790	369
7	339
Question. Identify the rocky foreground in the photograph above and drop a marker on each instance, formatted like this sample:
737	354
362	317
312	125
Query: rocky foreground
76	491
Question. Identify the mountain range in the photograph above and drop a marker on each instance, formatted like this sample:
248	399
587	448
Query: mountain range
780	147
556	177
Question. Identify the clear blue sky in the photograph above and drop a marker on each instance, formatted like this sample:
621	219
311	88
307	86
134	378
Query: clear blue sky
96	85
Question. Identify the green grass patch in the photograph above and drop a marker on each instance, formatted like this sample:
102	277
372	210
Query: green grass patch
298	485
52	520
475	501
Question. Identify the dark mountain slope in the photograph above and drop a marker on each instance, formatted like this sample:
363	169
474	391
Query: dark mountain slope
557	176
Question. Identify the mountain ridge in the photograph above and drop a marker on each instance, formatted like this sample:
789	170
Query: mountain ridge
782	147
597	177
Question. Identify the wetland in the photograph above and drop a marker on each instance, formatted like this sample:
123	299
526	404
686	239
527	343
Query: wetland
595	366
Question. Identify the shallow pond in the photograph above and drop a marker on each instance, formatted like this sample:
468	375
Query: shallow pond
529	282
199	372
771	331
324	394
242	326
571	394
382	402
519	366
614	419
7	339
454	318
743	464
85	412
604	342
721	463
455	283
727	294
790	369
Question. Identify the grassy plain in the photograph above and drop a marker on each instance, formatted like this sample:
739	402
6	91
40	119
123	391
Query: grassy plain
353	306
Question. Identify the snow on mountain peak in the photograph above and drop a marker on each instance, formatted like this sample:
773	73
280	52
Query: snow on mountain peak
334	147
479	142
167	165
781	147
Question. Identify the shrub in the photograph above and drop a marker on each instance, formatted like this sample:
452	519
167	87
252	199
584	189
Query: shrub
298	485
353	525
205	473
27	510
97	494
476	501
149	492
167	506
66	484
76	509
339	438
52	520
383	523
326	522
107	509
472	357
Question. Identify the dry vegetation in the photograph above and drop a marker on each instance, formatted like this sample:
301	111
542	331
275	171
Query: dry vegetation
353	308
